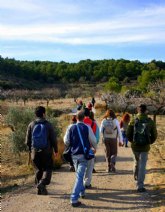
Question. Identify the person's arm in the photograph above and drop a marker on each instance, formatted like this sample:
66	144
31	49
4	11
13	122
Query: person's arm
28	139
153	132
92	138
53	138
119	135
121	124
130	130
97	133
102	127
67	137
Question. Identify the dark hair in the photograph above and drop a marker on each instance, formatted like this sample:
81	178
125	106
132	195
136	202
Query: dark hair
86	112
142	108
80	115
110	113
39	111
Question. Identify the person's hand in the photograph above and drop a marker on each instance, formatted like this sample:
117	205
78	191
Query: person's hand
121	143
55	154
94	150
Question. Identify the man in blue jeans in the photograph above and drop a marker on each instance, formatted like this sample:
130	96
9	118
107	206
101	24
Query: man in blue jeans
72	138
141	132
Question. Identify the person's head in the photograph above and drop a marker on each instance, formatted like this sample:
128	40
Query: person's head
90	106
86	112
142	108
110	114
80	115
74	119
126	117
80	102
40	111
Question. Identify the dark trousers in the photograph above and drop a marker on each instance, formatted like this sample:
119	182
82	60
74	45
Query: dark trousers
110	151
43	164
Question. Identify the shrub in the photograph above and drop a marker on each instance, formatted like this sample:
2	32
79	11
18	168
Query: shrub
18	119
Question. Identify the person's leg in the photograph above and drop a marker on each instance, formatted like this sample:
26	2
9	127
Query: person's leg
126	142
136	156
80	164
35	156
113	154
142	169
47	164
88	173
107	153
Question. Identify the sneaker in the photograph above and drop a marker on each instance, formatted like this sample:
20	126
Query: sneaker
141	190
88	186
76	204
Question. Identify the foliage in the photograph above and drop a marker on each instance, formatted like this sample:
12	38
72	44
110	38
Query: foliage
149	77
113	85
18	119
46	72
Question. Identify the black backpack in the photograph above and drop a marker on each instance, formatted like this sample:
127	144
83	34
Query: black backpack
141	134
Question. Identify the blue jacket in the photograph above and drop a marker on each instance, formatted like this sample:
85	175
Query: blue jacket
72	138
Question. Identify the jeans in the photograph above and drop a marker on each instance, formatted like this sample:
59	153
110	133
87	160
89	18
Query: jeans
89	171
140	161
125	139
80	164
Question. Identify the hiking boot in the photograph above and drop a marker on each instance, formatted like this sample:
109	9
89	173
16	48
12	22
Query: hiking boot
88	186
141	190
135	178
71	169
42	189
82	195
94	171
76	204
113	169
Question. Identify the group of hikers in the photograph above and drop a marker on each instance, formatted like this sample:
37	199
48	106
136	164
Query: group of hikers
82	137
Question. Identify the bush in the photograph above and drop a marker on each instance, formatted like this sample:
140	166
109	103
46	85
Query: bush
18	119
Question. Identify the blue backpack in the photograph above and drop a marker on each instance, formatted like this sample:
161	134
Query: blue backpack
39	136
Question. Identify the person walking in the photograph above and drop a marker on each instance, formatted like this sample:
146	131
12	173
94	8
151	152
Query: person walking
42	143
110	130
123	126
72	138
73	121
90	165
141	132
97	133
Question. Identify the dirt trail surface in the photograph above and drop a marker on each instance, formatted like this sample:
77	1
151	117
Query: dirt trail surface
110	192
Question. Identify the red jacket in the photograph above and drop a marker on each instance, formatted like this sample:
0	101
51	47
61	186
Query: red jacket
91	123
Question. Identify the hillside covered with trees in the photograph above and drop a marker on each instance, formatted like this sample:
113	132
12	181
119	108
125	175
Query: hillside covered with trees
21	74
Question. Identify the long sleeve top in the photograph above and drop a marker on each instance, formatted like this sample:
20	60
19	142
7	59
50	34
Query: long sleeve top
71	138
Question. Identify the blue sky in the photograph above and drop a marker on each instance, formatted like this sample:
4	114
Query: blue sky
74	30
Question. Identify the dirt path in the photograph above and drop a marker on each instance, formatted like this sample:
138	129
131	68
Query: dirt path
110	192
